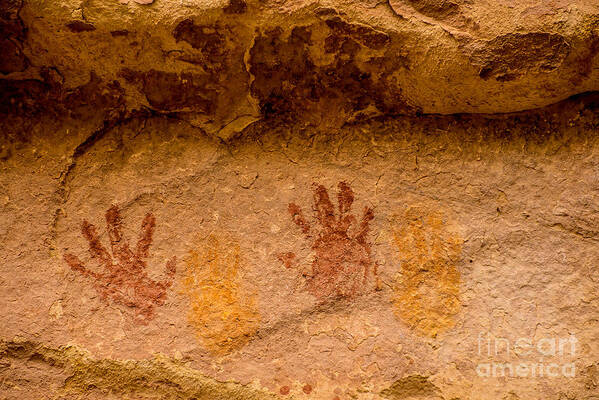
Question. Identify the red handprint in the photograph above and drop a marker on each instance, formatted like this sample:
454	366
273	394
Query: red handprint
343	259
124	279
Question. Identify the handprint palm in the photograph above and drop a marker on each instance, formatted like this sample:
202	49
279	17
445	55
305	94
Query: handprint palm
124	279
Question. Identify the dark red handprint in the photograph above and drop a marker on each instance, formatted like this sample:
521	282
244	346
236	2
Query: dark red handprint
342	254
124	279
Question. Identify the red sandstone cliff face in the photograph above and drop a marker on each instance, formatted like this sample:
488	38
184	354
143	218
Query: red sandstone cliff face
340	200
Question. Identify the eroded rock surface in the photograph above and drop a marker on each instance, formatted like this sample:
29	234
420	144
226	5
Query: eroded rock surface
222	66
299	200
377	260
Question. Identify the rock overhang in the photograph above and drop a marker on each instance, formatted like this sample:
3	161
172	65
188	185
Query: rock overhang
224	65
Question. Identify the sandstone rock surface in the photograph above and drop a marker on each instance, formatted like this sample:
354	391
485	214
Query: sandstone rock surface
225	65
299	200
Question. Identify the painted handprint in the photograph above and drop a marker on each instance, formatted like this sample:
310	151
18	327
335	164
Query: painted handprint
342	253
427	289
124	279
223	311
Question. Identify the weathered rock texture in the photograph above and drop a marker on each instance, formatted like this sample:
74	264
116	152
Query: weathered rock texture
332	200
221	66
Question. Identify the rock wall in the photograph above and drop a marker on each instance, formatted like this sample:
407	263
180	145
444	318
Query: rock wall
332	200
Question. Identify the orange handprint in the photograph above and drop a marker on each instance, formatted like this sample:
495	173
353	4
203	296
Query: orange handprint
223	310
427	289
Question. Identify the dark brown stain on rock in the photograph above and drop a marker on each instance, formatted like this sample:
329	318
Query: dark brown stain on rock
290	76
12	36
95	94
171	91
13	59
584	62
361	33
307	389
124	279
236	7
23	96
118	33
29	97
80	26
342	253
210	40
213	83
509	56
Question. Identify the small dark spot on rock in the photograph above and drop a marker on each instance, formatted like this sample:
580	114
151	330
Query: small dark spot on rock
307	389
506	77
5	153
236	7
284	390
119	33
80	26
485	72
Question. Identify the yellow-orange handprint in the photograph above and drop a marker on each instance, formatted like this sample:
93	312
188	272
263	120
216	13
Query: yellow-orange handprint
427	289
223	313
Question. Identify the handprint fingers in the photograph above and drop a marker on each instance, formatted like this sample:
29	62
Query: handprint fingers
145	237
113	223
120	247
325	212
78	266
345	196
171	268
364	225
96	248
298	217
